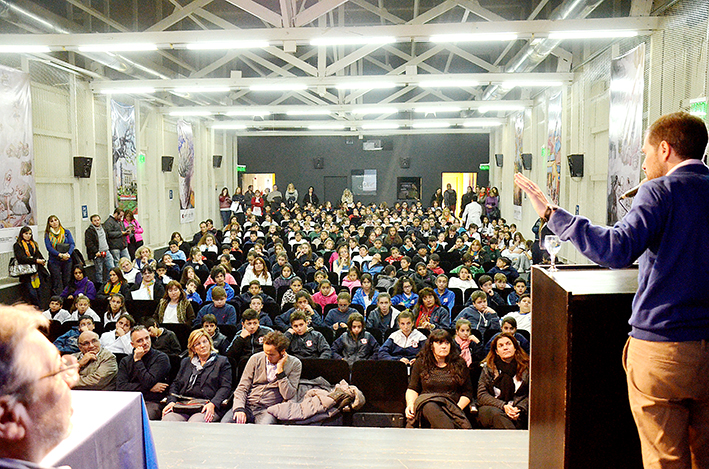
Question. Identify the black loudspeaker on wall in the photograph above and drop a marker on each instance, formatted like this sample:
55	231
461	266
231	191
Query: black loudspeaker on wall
405	162
167	163
498	159
527	161
319	163
82	167
575	165
217	161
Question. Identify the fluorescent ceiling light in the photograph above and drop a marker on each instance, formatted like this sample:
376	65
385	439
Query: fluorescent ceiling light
326	127
380	126
229	126
529	84
246	112
448	83
480	37
20	49
366	85
374	110
481	123
131	47
500	107
355	40
190	113
136	90
216	45
435	109
308	112
203	89
430	125
602	34
279	87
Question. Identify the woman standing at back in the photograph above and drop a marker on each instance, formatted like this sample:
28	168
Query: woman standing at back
60	244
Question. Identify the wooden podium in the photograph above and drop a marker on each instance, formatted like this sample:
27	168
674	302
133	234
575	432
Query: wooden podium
579	411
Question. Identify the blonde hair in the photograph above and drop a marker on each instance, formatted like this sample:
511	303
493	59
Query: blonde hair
194	338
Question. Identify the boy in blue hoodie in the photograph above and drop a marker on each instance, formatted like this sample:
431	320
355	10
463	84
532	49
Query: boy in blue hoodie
68	342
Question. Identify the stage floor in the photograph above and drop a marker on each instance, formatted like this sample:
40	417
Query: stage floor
217	446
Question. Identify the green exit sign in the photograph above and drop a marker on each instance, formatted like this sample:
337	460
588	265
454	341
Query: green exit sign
698	107
485	167
240	168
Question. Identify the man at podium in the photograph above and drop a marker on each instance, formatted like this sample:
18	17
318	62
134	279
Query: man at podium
666	357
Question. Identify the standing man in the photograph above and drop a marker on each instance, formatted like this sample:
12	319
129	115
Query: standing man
274	198
35	390
97	248
449	198
667	355
116	235
145	371
270	377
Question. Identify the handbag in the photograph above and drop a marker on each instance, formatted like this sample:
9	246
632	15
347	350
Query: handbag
188	405
62	248
15	269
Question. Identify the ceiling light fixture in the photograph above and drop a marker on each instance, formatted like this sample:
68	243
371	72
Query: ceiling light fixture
203	89
247	112
308	112
130	47
473	37
22	49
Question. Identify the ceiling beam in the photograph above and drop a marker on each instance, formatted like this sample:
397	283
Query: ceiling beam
178	15
260	12
316	11
381	12
474	7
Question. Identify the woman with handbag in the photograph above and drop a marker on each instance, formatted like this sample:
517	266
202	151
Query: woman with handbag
60	244
201	385
29	265
134	239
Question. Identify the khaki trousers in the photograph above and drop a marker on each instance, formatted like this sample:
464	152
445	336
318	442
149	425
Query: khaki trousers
668	388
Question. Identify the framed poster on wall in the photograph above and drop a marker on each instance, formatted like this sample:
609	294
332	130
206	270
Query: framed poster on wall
364	181
408	188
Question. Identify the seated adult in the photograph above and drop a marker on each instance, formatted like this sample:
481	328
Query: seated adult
503	389
249	340
79	285
405	343
174	307
69	341
118	340
304	341
97	366
225	313
336	318
116	283
509	325
146	371
148	288
356	344
439	388
270	377
162	339
383	317
203	375
429	313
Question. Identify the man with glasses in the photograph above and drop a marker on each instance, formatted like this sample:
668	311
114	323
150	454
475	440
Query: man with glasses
145	371
35	389
97	366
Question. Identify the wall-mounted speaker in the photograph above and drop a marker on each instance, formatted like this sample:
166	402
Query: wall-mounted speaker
498	159
575	165
527	161
82	167
405	162
167	163
319	162
217	161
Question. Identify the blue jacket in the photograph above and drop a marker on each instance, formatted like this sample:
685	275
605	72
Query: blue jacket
225	315
479	321
336	316
666	229
69	341
229	292
358	298
283	320
397	346
401	299
53	253
347	348
447	299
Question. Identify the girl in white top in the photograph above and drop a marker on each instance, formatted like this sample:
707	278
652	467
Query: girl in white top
129	271
464	280
116	307
118	340
82	306
257	271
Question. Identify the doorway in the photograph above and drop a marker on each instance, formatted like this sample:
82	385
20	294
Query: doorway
334	186
459	182
260	181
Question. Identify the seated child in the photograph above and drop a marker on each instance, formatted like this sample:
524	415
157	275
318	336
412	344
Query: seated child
191	288
249	340
355	344
296	284
509	325
471	348
383	317
446	296
524	315
405	293
56	312
337	317
520	288
326	294
209	324
305	342
162	339
405	343
223	312
493	298
118	340
481	316
218	276
69	341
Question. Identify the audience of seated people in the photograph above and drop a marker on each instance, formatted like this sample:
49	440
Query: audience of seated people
407	268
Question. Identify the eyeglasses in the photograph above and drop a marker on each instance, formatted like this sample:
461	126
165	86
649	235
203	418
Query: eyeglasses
69	370
89	342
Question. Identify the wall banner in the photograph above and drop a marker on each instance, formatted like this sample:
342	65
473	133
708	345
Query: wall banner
519	135
553	147
125	173
185	152
625	132
18	199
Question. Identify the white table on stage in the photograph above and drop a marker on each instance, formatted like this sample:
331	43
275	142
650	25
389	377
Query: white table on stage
109	430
